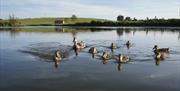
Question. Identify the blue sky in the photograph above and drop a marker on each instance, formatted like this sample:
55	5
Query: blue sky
108	9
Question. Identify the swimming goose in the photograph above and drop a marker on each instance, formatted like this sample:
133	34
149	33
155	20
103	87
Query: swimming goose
93	50
157	50
128	44
106	56
113	46
79	45
57	56
123	58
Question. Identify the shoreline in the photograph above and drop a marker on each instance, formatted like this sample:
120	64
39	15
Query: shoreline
70	26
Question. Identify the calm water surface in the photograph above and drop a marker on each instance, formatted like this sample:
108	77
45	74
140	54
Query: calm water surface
26	59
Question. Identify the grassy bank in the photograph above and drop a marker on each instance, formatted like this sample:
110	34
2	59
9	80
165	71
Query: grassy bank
50	21
91	22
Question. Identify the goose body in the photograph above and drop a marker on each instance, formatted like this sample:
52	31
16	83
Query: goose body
78	45
113	46
128	44
162	50
160	55
123	58
57	56
106	56
93	50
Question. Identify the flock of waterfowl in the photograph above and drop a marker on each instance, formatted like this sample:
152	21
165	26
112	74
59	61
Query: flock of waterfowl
160	53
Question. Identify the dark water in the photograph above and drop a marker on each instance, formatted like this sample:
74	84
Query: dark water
26	59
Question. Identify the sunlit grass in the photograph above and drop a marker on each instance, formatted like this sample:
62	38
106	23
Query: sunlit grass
50	21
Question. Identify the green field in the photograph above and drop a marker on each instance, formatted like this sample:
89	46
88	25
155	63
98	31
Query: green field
50	21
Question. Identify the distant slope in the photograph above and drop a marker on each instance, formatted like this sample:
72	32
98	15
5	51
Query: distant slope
50	21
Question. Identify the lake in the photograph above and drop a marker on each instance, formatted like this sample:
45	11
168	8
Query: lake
26	59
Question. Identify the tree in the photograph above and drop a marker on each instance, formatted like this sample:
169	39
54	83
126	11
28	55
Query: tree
13	21
147	18
120	18
73	17
155	18
128	18
134	19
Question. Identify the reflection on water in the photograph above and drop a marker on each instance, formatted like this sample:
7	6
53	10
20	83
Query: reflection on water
56	64
74	30
120	66
30	63
45	50
76	51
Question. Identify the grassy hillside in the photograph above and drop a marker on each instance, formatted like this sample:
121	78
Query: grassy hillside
50	21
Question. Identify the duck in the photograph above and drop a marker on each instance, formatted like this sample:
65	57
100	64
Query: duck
93	50
106	56
162	50
123	58
113	46
57	56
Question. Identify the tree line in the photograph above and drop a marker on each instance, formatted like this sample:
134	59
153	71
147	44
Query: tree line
128	21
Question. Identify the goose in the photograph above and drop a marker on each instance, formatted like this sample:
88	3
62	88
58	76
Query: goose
57	56
162	50
123	58
106	56
78	45
93	50
128	44
113	46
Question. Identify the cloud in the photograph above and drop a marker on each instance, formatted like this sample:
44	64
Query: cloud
56	8
108	9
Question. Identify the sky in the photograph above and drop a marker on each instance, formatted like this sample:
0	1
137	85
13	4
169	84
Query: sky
105	9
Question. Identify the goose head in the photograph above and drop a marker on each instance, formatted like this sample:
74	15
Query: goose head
155	47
